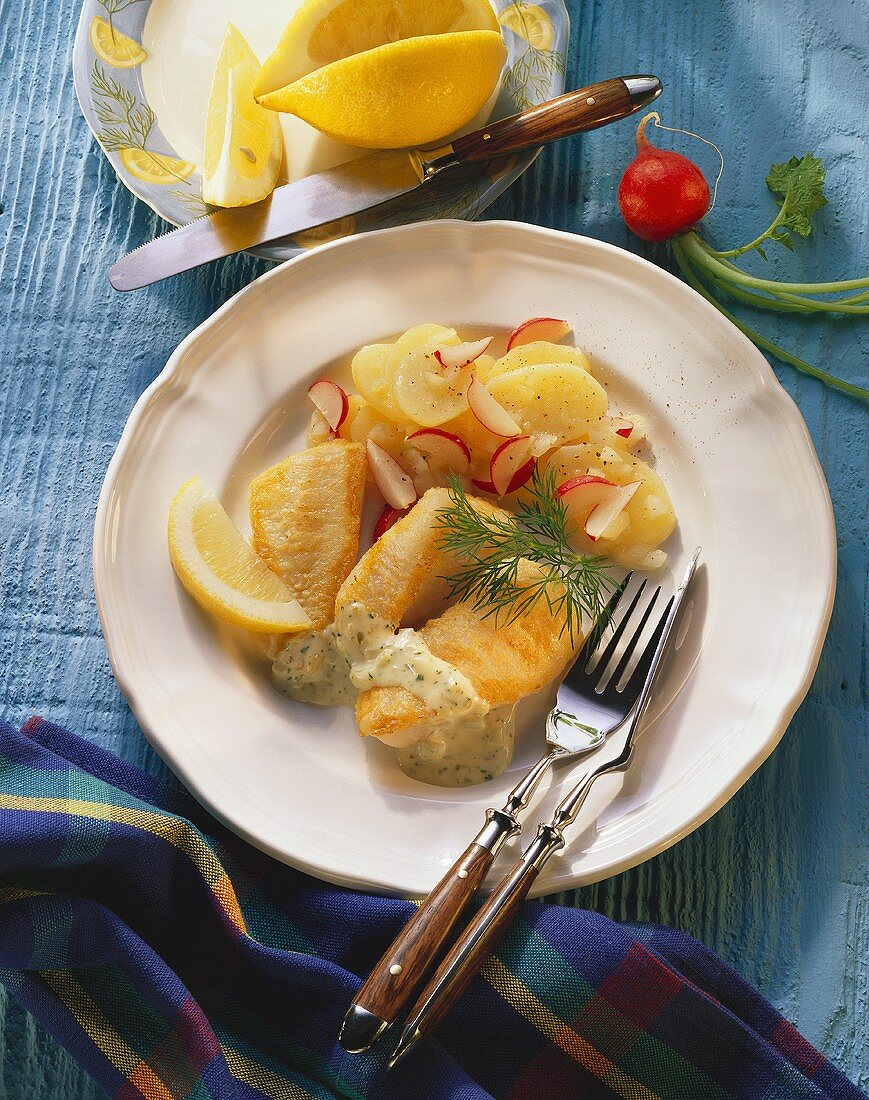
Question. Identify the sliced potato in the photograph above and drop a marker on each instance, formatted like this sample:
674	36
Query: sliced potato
650	514
550	398
373	370
375	367
421	335
425	393
367	423
532	355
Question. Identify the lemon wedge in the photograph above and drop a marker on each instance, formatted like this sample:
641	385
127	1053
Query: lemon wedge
323	31
243	144
116	49
221	572
411	92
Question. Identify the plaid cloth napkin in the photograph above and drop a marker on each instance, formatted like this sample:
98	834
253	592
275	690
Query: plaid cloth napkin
172	961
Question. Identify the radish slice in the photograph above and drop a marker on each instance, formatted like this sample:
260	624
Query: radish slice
492	416
387	518
510	456
581	495
608	510
447	451
484	486
331	400
318	429
460	355
392	481
621	426
538	328
522	475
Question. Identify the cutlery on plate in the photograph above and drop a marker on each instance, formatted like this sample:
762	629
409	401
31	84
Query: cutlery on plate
371	180
605	688
416	948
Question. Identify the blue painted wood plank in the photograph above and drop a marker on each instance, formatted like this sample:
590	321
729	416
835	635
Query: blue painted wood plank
777	882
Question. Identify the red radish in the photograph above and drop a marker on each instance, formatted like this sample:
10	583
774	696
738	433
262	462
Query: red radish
518	479
484	486
661	193
447	451
331	400
538	328
614	504
621	426
392	481
507	460
522	475
460	355
486	409
581	495
319	430
387	518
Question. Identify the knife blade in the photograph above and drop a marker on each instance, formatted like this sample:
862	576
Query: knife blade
375	179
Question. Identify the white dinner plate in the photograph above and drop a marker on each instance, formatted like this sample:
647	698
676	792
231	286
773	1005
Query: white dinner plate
296	780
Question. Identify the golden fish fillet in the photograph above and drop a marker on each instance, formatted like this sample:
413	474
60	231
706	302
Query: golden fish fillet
400	577
504	661
305	514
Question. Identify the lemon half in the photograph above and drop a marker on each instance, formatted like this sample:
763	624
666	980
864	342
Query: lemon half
243	143
221	572
412	92
385	73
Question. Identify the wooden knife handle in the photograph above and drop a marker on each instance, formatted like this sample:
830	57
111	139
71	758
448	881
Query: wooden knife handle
583	109
417	946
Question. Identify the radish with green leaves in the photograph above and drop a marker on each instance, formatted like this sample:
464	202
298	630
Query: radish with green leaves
663	195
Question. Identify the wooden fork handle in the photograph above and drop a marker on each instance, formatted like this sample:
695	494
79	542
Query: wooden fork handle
583	109
477	941
414	951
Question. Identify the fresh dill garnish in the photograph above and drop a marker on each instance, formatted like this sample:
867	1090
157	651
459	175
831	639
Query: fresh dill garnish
491	549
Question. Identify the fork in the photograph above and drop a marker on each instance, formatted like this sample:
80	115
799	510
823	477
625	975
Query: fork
414	951
596	696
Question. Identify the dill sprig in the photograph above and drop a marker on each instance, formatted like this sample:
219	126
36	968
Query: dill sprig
491	549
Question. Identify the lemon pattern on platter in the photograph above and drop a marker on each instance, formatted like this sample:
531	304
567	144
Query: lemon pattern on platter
530	22
114	48
155	167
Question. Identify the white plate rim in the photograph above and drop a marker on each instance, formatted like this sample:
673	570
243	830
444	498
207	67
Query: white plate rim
768	389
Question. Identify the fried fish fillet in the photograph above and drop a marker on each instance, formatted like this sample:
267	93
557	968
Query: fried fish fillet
504	661
400	578
305	514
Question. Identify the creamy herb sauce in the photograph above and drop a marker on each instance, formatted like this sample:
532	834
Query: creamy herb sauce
465	743
462	753
381	657
312	669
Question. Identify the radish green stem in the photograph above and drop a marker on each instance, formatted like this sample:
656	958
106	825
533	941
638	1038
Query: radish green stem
757	240
683	258
705	257
791	303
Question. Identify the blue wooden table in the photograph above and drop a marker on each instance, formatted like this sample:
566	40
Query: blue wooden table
777	882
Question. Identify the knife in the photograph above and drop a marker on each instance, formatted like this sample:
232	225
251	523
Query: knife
374	179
